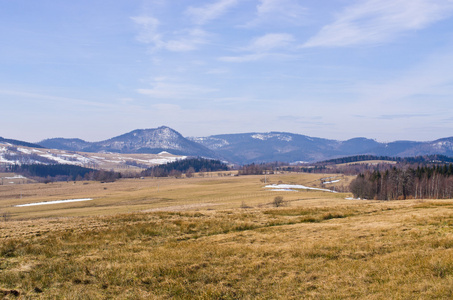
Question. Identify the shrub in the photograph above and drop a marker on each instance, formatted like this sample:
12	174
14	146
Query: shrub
278	201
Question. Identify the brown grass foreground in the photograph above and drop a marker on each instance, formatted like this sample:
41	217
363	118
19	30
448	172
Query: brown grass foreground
318	247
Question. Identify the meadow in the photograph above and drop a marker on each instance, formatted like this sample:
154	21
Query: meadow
221	237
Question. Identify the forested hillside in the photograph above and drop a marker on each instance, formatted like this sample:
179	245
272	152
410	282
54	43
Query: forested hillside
61	172
186	166
425	182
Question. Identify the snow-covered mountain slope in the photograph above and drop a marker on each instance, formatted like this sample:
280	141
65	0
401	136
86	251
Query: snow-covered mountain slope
138	141
10	154
288	147
252	147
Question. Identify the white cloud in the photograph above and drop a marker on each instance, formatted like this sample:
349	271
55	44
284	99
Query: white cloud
278	12
263	47
164	89
187	41
203	14
270	41
148	29
180	41
50	100
245	58
377	21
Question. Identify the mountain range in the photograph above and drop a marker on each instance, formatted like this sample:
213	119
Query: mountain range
254	147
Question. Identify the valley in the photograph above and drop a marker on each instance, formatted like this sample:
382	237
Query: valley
219	236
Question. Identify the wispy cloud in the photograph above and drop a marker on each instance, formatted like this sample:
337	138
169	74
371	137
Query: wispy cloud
163	88
148	29
270	42
52	100
204	14
402	116
180	41
378	21
244	58
263	47
278	12
188	40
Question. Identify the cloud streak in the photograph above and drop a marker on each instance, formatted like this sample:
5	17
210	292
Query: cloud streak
380	21
263	47
163	89
181	41
204	14
270	42
50	99
278	12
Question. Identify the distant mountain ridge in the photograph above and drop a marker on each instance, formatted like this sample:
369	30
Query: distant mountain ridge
19	143
252	147
288	147
138	141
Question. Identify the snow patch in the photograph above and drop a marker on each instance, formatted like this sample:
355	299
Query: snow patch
267	136
296	187
53	202
16	177
333	181
23	150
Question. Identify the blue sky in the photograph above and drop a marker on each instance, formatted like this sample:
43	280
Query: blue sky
339	69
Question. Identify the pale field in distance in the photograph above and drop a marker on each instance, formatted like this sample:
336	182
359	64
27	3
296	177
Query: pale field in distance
134	195
221	238
369	162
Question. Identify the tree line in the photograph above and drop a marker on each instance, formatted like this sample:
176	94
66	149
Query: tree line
187	166
423	182
435	158
62	172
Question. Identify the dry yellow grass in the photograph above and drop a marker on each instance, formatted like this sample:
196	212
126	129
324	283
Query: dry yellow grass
319	246
132	195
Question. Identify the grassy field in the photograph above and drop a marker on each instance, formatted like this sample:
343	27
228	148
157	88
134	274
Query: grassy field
221	238
151	194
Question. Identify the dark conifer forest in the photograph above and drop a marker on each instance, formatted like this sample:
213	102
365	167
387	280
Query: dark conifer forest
423	182
186	166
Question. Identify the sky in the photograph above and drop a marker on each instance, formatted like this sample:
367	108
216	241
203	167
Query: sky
337	69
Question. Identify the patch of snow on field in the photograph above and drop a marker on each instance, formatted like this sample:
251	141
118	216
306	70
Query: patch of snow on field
53	202
16	177
60	160
162	161
296	187
115	161
300	162
3	160
333	181
98	157
23	150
